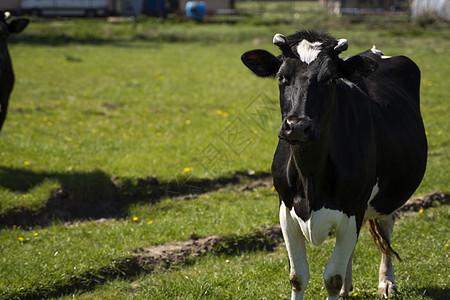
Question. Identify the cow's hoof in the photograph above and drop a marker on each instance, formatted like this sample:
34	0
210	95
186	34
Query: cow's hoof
387	289
344	293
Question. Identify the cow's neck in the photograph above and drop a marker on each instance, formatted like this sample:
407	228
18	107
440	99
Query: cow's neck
311	163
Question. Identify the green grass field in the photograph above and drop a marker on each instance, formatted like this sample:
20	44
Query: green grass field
96	103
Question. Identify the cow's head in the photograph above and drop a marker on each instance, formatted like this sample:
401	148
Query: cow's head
309	73
15	26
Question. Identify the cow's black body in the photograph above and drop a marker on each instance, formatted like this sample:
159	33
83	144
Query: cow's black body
375	135
352	147
6	70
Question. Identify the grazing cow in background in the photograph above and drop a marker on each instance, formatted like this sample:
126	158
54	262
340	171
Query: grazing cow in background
352	146
6	70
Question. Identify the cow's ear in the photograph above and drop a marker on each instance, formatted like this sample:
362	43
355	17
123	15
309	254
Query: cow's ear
357	67
18	25
261	62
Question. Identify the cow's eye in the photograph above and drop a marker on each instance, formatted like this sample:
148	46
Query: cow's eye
282	79
333	80
330	80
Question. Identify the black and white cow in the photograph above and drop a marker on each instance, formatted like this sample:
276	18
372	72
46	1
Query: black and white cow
352	147
6	70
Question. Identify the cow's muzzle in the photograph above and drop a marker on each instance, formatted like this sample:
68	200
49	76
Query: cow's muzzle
297	130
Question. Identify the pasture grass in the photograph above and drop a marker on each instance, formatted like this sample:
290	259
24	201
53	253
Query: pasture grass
171	99
83	113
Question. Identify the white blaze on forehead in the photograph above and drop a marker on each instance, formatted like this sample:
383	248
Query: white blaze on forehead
308	52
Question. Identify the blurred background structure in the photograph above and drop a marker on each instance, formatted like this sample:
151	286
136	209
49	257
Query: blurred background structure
160	8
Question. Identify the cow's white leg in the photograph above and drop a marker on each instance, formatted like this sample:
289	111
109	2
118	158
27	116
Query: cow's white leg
295	244
386	280
336	268
347	287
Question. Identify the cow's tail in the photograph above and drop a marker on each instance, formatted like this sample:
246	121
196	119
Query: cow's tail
381	240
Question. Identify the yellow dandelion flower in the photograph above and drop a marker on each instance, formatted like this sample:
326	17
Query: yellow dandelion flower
272	188
135	219
187	122
355	294
431	208
187	169
255	131
36	234
69	139
26	163
220	112
421	211
149	222
446	245
225	115
20	238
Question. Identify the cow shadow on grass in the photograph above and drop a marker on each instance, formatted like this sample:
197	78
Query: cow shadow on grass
96	195
433	292
80	195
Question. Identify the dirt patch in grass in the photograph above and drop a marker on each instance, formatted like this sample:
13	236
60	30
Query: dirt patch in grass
423	202
175	253
166	255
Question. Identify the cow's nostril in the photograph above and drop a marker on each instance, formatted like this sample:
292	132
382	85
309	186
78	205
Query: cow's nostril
297	129
287	125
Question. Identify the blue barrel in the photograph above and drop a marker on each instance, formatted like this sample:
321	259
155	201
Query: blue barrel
195	10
